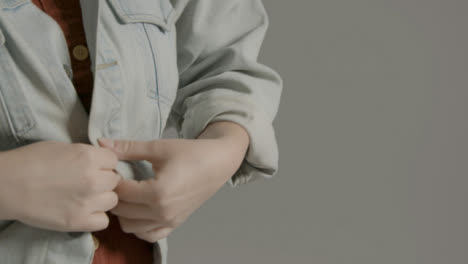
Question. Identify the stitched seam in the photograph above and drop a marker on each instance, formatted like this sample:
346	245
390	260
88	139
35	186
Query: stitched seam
5	109
157	79
29	122
130	16
137	18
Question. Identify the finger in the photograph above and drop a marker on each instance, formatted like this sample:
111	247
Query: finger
94	222
128	149
155	235
133	211
134	191
106	180
114	178
129	225
104	202
106	158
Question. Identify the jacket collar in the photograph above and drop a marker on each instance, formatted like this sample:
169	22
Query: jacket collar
90	13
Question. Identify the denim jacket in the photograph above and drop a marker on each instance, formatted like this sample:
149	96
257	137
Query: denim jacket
157	65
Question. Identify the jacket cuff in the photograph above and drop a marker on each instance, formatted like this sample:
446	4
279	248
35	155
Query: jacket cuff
261	159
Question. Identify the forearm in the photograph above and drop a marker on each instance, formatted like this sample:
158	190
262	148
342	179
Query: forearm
233	134
226	129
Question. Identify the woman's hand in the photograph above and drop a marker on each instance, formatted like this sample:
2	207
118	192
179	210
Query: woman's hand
187	173
58	186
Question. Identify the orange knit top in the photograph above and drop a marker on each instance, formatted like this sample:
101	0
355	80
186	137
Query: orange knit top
113	245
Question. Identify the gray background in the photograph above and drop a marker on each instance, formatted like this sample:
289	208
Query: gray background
372	131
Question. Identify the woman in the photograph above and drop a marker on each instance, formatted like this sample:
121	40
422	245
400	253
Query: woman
88	90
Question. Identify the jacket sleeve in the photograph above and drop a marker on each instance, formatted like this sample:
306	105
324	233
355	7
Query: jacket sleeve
218	42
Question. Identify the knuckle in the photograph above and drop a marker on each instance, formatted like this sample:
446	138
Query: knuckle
102	224
90	181
158	193
112	156
86	154
166	214
69	221
82	206
115	199
115	160
105	223
156	203
124	145
116	178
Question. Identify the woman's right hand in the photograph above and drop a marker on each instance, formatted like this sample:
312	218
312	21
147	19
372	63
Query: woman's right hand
59	186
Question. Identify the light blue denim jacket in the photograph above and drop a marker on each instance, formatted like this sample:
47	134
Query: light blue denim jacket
157	64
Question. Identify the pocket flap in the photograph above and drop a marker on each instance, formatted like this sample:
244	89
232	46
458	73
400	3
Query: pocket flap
149	11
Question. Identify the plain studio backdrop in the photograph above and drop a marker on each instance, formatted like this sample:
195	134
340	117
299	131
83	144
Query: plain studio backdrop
373	136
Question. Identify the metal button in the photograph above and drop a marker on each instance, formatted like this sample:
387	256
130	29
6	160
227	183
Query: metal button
96	242
80	52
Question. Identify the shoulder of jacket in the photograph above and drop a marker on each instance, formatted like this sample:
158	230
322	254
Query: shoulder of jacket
179	6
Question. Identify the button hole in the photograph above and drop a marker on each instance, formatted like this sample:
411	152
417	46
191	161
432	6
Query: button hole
105	65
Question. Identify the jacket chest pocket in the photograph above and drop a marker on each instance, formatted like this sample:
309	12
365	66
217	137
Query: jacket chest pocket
154	37
16	116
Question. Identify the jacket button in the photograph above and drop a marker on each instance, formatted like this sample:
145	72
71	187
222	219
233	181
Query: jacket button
96	242
80	52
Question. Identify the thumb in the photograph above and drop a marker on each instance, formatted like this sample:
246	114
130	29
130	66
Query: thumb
128	149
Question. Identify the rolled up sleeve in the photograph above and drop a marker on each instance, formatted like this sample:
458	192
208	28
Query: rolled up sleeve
220	79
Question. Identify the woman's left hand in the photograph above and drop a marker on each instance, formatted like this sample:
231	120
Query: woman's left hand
187	173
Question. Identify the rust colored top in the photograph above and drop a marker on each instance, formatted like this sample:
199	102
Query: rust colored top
115	246
68	15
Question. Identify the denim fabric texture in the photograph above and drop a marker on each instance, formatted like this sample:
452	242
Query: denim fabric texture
157	64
